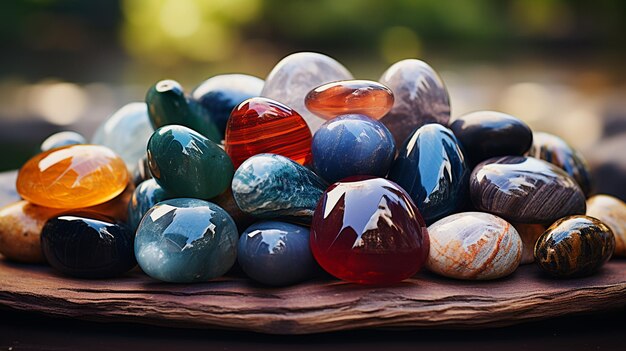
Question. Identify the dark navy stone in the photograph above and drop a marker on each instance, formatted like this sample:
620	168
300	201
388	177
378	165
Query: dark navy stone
88	245
146	195
276	253
273	186
486	134
220	94
431	168
352	145
186	240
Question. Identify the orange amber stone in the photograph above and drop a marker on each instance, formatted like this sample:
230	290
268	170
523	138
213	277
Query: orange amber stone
350	96
260	125
72	177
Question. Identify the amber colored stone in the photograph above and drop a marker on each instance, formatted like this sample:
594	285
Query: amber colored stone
72	177
260	125
350	96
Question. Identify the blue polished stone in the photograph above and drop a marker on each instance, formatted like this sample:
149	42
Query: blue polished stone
220	94
62	139
146	195
273	186
186	240
276	253
431	168
352	145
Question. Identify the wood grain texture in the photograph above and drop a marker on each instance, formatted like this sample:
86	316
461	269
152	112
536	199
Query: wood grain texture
318	306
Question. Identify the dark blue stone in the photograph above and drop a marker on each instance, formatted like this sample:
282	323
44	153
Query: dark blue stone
88	245
276	253
146	195
186	240
220	94
431	168
273	186
352	145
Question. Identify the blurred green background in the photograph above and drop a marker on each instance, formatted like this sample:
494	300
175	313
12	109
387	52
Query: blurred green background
557	64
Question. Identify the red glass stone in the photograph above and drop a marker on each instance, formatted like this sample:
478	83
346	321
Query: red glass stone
368	230
260	125
350	96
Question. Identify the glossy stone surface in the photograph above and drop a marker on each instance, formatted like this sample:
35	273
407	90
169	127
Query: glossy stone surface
186	164
126	132
74	176
261	125
555	150
529	234
350	96
352	145
431	167
368	231
142	171
276	253
62	139
85	245
473	246
295	75
221	94
574	246
486	134
146	195
420	98
525	189
611	211
185	241
226	201
272	186
167	105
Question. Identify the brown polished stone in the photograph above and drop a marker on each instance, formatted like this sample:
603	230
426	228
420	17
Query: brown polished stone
349	97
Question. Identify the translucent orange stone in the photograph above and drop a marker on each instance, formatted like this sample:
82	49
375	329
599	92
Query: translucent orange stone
72	177
350	96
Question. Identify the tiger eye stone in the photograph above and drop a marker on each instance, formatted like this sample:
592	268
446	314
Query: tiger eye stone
574	246
260	125
473	246
611	211
71	177
348	97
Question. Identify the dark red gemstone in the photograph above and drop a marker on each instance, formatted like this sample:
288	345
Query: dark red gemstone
368	230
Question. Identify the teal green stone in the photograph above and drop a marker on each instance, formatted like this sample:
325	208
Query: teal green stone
186	164
186	241
273	186
145	196
167	105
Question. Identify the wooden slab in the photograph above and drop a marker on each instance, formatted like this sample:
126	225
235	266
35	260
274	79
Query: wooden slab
319	306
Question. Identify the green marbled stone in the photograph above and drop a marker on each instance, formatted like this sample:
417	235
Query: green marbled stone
186	164
167	105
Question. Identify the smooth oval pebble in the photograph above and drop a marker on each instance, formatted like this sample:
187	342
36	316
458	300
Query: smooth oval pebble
168	105
363	97
367	230
486	134
431	167
185	241
473	246
126	132
525	189
222	93
186	164
574	246
295	75
74	176
276	253
146	195
87	245
529	233
420	96
611	211
352	145
555	150
273	186
62	139
260	125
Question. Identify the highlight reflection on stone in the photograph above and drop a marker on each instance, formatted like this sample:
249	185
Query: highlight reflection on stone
62	139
